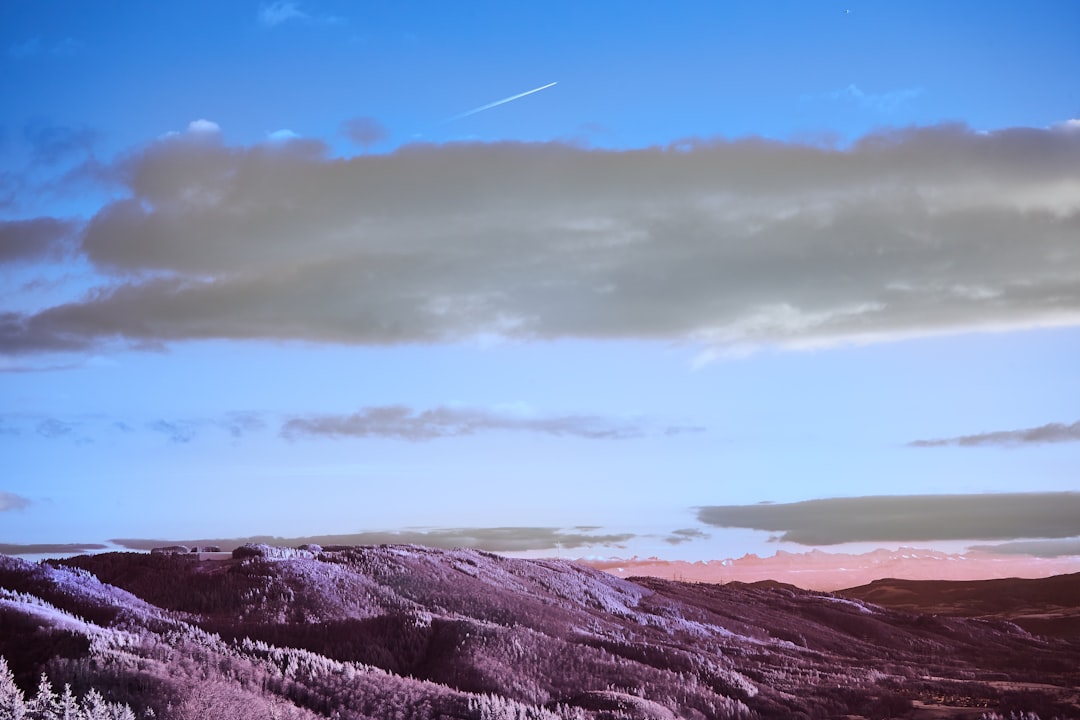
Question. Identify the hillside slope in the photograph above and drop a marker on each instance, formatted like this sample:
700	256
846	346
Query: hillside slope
411	632
1046	606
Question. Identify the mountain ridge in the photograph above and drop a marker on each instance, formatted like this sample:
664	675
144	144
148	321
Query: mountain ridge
425	633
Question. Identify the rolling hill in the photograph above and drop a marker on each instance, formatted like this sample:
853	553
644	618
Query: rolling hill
398	631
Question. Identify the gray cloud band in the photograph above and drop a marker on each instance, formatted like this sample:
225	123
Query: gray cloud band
1049	433
831	521
384	421
503	539
1036	548
11	501
729	245
397	421
23	241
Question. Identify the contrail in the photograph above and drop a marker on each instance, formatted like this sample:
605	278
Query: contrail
482	108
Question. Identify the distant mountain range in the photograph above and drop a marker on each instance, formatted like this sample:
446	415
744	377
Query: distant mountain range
409	632
819	570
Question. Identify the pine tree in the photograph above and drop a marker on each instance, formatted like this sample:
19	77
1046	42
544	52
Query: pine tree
68	705
12	700
94	707
121	712
45	705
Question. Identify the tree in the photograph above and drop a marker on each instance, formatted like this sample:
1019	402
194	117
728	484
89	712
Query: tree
68	705
94	706
44	705
12	700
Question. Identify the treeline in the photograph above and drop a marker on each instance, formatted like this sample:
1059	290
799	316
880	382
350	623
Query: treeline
46	704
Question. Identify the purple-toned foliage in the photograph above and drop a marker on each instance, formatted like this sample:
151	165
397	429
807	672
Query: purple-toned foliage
399	631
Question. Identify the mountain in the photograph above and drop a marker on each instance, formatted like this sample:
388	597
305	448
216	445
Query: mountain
409	632
1047	606
819	570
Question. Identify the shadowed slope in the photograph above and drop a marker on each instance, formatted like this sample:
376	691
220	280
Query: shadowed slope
1047	606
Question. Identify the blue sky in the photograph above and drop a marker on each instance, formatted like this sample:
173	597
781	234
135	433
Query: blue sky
259	277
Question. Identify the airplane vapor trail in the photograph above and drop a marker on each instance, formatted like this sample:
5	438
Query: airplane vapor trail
482	108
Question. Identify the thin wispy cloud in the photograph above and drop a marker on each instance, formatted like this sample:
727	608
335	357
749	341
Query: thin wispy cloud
53	428
685	535
884	103
280	12
727	245
38	46
177	431
239	424
284	11
405	423
11	501
15	368
495	539
1043	434
906	518
51	143
394	422
84	428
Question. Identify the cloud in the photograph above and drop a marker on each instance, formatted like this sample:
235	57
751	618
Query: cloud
886	103
364	131
203	126
36	239
11	501
404	423
673	430
831	521
51	143
498	539
12	368
239	424
1035	548
37	47
52	428
730	246
678	537
1049	433
49	548
281	136
178	431
281	12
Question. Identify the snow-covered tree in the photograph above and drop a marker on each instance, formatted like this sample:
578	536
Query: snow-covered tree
12	700
67	705
45	705
94	707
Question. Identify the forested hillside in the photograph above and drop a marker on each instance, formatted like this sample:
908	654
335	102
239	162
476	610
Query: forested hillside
411	632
